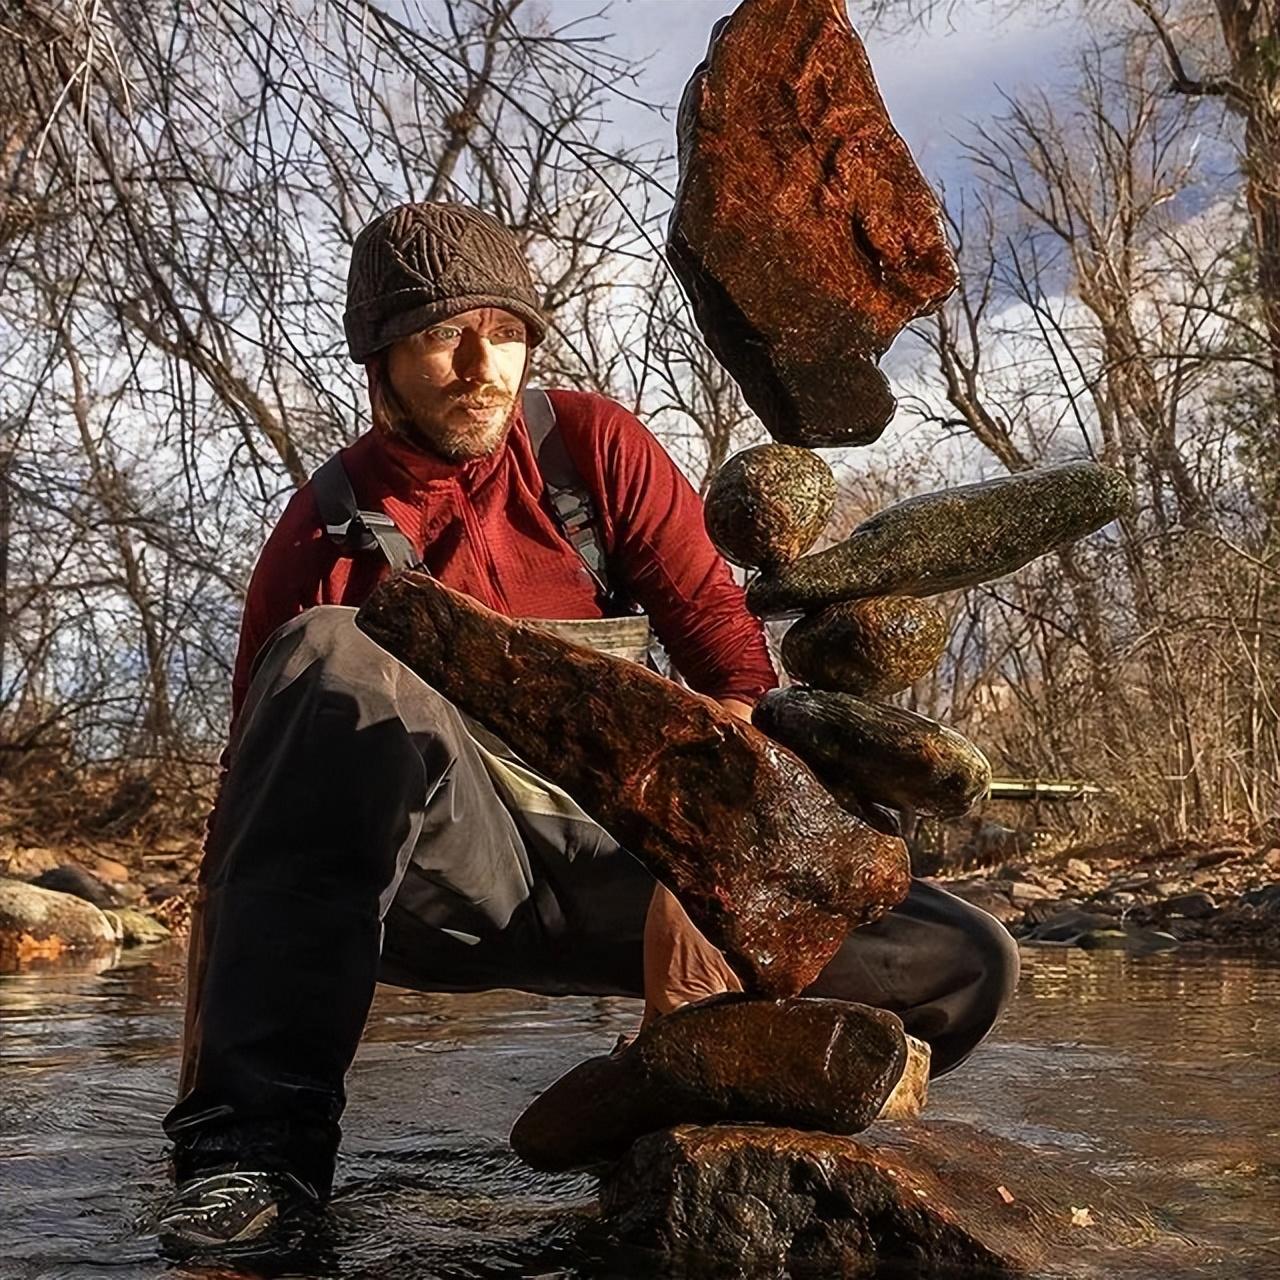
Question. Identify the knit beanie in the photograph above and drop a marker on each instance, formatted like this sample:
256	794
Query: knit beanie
418	264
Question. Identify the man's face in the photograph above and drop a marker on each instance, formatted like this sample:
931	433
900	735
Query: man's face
458	381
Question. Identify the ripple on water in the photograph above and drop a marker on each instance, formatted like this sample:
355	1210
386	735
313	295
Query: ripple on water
1160	1073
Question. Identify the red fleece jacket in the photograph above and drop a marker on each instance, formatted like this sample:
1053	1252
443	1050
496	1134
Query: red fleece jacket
482	527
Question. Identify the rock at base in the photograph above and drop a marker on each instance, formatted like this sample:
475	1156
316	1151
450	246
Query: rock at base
136	928
37	922
931	1197
813	1064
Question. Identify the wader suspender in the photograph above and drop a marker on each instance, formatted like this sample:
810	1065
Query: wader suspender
574	512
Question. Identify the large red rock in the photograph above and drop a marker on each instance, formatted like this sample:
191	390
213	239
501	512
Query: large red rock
803	232
766	862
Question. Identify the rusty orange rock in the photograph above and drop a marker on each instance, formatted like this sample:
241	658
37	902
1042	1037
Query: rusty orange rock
803	231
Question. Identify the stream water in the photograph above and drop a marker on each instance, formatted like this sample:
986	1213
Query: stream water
1161	1073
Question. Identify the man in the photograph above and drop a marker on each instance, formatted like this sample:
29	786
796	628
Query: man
367	831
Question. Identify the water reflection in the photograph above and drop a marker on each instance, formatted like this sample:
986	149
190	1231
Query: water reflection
1161	1073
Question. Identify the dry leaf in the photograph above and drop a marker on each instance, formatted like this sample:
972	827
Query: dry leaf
1081	1217
1005	1194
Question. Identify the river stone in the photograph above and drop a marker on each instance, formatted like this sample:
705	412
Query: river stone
802	230
916	1198
950	539
873	648
869	752
766	863
767	505
37	922
811	1064
135	928
80	883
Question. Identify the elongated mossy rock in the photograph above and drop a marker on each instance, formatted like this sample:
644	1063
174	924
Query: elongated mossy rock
951	539
803	231
873	647
767	864
876	753
767	505
809	1064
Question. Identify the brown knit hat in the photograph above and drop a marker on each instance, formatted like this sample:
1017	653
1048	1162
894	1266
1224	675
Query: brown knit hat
418	264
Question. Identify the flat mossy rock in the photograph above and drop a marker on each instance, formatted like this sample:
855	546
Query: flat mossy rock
915	1198
873	753
811	1064
768	505
767	864
40	923
802	231
872	648
951	539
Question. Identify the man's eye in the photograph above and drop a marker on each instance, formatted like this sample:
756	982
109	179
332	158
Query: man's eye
444	333
512	333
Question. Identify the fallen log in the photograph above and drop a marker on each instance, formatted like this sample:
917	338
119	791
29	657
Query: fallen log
803	231
767	864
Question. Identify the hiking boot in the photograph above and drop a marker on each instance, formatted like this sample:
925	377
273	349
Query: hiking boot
233	1211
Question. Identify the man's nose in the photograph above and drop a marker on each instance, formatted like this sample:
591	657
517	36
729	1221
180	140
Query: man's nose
473	358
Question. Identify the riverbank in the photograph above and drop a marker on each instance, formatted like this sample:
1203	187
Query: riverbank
1222	893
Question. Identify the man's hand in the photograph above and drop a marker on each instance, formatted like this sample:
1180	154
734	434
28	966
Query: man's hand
737	707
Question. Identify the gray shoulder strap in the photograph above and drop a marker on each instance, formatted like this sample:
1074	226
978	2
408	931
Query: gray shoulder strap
351	528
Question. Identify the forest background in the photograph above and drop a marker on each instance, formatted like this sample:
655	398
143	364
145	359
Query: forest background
179	189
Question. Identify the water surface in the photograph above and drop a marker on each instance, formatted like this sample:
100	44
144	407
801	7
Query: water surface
1161	1073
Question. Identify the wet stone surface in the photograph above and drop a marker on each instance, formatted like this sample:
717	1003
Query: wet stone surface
812	1064
768	505
787	156
767	864
954	538
869	752
872	648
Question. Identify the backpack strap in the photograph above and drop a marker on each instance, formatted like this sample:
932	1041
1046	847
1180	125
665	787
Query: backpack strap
351	528
571	504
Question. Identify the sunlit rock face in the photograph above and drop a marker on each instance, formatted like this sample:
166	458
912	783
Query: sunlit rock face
766	862
950	539
803	231
815	1064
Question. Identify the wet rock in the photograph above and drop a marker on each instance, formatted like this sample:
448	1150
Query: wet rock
813	1064
911	1093
136	928
770	868
38	922
1266	899
991	895
955	538
80	883
788	158
767	505
876	753
1094	932
1194	906
872	648
921	1198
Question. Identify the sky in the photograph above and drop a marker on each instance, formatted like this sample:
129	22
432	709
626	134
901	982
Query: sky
932	80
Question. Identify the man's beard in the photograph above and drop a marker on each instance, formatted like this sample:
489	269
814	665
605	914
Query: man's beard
461	442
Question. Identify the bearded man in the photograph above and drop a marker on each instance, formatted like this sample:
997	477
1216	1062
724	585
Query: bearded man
366	831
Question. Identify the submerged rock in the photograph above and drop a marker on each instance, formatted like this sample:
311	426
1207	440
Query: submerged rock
812	1064
767	505
872	648
868	752
37	922
765	862
954	538
926	1198
135	928
802	231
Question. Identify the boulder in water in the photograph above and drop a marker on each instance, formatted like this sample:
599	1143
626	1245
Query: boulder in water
37	923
